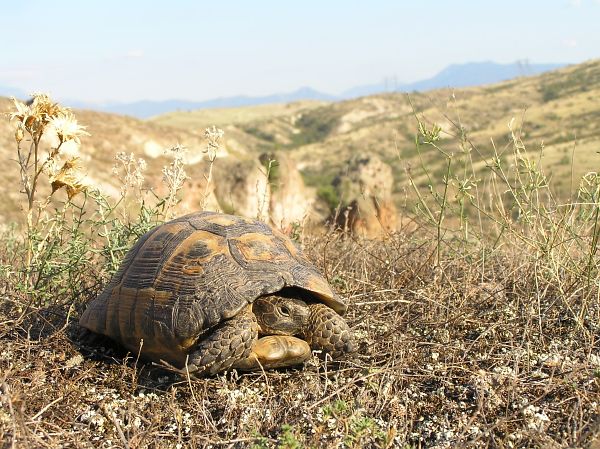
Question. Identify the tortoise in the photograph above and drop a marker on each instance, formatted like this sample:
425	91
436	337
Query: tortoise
207	292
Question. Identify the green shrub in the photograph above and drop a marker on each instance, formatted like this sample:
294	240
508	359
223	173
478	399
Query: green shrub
329	195
260	134
314	126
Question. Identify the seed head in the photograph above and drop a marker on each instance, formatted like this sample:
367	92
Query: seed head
36	117
67	128
19	133
70	177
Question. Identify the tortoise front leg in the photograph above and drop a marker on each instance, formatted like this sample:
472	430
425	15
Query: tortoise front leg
235	344
229	343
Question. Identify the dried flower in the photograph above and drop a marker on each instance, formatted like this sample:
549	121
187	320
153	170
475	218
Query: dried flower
19	133
70	177
22	113
36	117
129	170
67	128
44	108
213	137
174	174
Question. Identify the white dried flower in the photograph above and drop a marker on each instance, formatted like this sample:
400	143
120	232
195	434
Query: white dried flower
213	141
66	127
130	170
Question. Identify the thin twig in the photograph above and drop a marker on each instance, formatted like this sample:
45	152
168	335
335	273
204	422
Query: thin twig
41	412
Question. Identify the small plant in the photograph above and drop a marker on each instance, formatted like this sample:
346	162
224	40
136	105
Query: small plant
260	442
272	170
75	243
33	121
509	202
329	195
213	144
287	439
174	177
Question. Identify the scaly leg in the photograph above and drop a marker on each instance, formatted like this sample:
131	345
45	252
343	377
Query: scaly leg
230	342
235	344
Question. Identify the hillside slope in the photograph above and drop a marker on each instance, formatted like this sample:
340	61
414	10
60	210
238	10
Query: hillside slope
111	134
557	111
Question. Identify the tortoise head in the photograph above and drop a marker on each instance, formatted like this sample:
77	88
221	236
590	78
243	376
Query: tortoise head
278	315
319	325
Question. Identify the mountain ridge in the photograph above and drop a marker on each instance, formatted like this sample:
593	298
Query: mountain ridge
468	74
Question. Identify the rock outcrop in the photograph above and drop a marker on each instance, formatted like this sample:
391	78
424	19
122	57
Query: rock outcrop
291	201
365	192
242	187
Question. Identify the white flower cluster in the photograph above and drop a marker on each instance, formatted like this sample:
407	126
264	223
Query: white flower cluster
130	171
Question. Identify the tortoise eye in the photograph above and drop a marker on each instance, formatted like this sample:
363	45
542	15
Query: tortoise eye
284	311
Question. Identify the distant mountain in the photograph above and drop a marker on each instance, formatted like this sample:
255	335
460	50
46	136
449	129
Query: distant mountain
7	91
458	75
146	109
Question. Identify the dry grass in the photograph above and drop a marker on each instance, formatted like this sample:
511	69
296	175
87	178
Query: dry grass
231	116
467	354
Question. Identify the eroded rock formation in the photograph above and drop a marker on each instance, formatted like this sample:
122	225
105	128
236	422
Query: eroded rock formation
291	201
365	191
242	187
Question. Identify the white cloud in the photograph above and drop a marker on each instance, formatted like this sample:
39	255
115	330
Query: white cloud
575	3
134	54
571	43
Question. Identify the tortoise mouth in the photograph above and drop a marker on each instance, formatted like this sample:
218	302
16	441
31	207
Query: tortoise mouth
311	297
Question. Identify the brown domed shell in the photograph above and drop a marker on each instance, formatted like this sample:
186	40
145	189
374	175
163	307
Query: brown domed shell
185	276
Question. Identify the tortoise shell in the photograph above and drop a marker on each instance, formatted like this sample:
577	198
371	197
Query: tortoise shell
184	277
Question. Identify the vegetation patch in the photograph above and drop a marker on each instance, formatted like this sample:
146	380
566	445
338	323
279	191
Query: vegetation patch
314	126
259	133
580	80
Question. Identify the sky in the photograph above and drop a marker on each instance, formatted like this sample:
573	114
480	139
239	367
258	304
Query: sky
117	50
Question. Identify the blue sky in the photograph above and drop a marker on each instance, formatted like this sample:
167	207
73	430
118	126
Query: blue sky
129	50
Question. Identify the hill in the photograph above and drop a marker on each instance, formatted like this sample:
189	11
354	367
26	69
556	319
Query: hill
233	115
555	114
146	109
555	111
